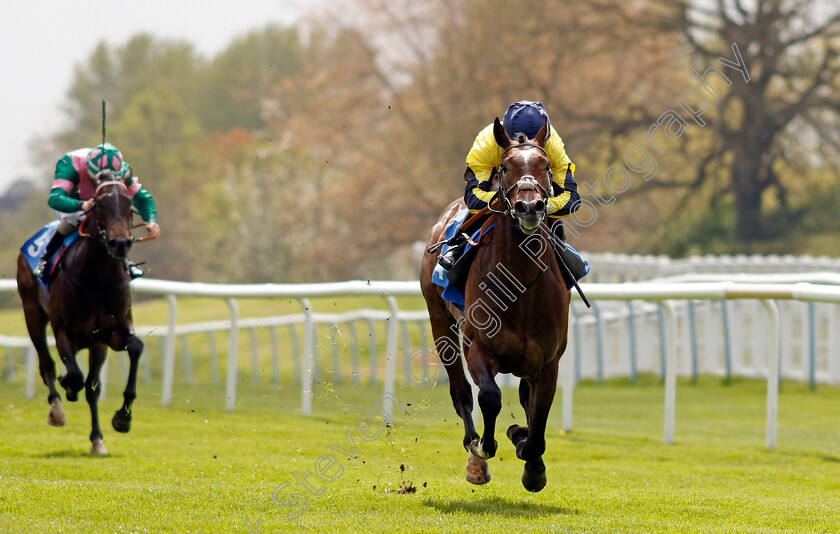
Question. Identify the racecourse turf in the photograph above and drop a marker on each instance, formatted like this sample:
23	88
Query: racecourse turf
192	467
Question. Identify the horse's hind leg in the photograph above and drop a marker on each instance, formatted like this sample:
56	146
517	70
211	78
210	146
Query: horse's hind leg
515	432
97	355
122	418
36	325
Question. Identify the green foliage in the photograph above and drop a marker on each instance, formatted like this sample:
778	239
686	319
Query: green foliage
323	151
232	90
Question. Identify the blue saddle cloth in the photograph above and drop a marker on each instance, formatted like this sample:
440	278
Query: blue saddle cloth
452	293
34	247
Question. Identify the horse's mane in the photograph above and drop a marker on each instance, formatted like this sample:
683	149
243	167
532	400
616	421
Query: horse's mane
108	175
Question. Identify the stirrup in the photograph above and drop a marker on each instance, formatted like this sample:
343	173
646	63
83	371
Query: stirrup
134	271
448	259
41	270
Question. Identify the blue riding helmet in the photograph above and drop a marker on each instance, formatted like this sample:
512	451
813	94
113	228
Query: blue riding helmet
526	117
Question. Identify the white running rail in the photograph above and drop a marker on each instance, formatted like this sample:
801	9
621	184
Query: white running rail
666	294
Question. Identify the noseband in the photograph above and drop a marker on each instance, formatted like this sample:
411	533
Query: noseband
526	183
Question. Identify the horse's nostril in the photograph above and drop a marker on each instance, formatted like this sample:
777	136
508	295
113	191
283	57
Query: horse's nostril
520	208
119	246
539	206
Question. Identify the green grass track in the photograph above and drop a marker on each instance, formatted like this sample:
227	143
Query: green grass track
192	467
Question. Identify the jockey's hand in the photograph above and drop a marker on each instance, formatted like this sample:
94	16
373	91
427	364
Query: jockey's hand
154	229
87	205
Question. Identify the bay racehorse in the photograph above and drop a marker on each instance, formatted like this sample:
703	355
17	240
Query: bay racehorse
88	306
515	316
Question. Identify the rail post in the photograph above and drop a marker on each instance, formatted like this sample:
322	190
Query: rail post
391	358
169	352
308	358
233	360
670	323
774	324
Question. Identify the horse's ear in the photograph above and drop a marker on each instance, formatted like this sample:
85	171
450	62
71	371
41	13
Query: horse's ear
541	136
500	134
129	174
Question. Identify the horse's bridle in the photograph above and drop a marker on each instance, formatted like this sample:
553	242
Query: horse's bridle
526	182
104	234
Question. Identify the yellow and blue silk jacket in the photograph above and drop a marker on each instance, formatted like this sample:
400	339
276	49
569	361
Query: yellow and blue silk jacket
484	159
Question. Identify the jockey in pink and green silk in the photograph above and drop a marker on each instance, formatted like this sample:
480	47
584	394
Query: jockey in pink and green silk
72	196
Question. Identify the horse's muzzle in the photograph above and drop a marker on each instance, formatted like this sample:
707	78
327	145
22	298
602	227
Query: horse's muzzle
119	247
529	213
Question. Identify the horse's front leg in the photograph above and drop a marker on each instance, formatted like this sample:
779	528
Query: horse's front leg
96	358
122	418
490	402
74	380
449	353
489	399
532	447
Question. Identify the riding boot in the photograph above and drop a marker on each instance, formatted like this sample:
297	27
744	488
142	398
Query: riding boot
457	244
578	268
134	271
559	230
42	271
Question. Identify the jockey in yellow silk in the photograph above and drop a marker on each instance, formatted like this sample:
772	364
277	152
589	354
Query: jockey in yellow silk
485	157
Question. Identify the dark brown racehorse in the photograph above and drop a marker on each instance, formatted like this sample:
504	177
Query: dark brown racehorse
515	316
88	306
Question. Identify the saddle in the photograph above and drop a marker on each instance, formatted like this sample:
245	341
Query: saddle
478	225
33	248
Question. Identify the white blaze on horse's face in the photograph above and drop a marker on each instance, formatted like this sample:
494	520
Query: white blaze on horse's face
527	182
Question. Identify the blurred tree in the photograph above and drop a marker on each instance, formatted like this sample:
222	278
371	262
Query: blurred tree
160	140
116	76
259	213
230	92
312	153
449	68
789	100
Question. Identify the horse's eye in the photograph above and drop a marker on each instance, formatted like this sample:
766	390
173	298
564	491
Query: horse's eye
503	168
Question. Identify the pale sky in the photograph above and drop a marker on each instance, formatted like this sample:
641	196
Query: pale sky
41	42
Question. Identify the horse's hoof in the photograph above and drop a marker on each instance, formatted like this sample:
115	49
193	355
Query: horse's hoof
534	480
97	448
120	424
477	471
71	395
72	385
516	433
56	416
477	448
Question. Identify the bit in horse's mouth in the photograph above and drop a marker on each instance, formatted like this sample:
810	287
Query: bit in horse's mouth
527	229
